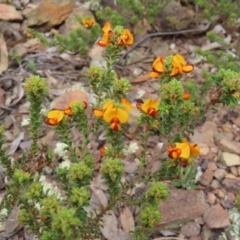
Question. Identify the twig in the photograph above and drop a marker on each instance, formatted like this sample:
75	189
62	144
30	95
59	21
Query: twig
158	34
169	238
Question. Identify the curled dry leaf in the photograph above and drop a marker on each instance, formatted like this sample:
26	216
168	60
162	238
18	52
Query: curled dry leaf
3	53
18	94
127	220
110	228
2	96
71	95
100	195
16	143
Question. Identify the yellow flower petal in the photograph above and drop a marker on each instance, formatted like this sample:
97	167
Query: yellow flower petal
115	113
195	150
107	27
178	58
98	112
187	68
108	104
185	148
126	104
126	38
54	117
150	103
154	74
158	65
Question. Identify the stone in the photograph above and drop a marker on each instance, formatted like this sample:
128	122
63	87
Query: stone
211	198
221	194
206	233
182	206
231	197
232	185
234	170
197	137
207	177
216	217
9	13
230	176
190	229
48	15
195	238
212	166
208	131
204	149
199	220
230	159
215	184
227	145
219	174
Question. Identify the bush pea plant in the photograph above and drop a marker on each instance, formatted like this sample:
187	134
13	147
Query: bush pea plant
80	40
60	212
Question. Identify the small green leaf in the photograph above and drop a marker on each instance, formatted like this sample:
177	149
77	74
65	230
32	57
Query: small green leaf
176	183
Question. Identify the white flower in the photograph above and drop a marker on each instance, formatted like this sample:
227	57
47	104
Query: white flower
25	122
140	93
3	213
65	164
132	148
61	150
49	189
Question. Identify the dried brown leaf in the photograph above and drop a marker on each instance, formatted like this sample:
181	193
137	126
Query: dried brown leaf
100	195
3	54
141	78
16	143
63	101
2	96
127	220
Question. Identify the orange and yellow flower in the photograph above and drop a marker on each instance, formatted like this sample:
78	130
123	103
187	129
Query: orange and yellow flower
54	117
180	66
107	32
88	22
114	115
126	38
186	96
99	113
157	68
183	150
68	109
150	106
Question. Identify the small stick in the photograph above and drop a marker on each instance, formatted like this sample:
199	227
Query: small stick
158	34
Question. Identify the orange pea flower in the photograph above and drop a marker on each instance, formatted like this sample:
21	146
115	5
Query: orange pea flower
102	150
186	96
183	150
99	113
109	104
150	107
126	38
88	22
157	68
107	31
126	104
54	117
116	117
180	66
68	109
